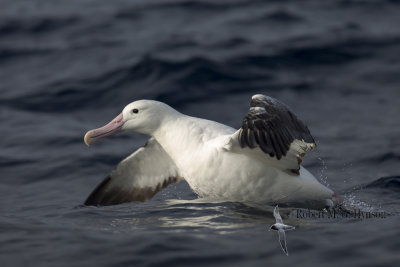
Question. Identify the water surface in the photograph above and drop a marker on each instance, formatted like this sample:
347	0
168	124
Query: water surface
70	66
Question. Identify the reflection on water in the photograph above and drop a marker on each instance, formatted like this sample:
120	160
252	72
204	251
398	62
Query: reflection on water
198	215
221	217
194	215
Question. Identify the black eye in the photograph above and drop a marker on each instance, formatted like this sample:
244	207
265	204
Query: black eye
135	110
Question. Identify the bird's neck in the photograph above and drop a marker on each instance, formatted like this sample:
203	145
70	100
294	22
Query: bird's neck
178	136
171	131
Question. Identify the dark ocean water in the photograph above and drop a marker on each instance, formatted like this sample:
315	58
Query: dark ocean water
69	66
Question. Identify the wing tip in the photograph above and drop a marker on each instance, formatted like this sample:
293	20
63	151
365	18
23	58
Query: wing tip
106	195
94	199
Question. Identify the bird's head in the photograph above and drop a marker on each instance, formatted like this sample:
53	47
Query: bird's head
143	116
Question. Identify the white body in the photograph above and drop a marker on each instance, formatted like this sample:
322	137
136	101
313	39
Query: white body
197	148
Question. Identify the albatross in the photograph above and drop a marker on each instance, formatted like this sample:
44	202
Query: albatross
260	163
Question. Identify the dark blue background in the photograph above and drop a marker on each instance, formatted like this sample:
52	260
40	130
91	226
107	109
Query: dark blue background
69	66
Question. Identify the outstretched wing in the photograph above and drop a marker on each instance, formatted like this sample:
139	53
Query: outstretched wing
277	216
273	129
272	126
282	241
137	178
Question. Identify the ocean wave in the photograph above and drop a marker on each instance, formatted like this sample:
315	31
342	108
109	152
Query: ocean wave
366	3
150	77
382	158
35	25
9	162
276	16
390	182
197	77
200	5
13	52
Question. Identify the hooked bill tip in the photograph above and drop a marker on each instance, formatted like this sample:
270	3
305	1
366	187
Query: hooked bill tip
86	139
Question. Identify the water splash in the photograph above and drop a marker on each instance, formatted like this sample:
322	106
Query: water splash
351	202
322	172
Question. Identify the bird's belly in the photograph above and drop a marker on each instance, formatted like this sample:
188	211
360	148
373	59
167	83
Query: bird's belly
235	177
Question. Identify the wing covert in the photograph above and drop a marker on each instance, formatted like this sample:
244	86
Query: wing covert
272	126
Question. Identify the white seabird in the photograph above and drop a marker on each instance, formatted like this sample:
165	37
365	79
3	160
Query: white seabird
280	227
257	164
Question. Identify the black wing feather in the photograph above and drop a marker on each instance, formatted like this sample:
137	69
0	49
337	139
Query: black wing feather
105	194
272	126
